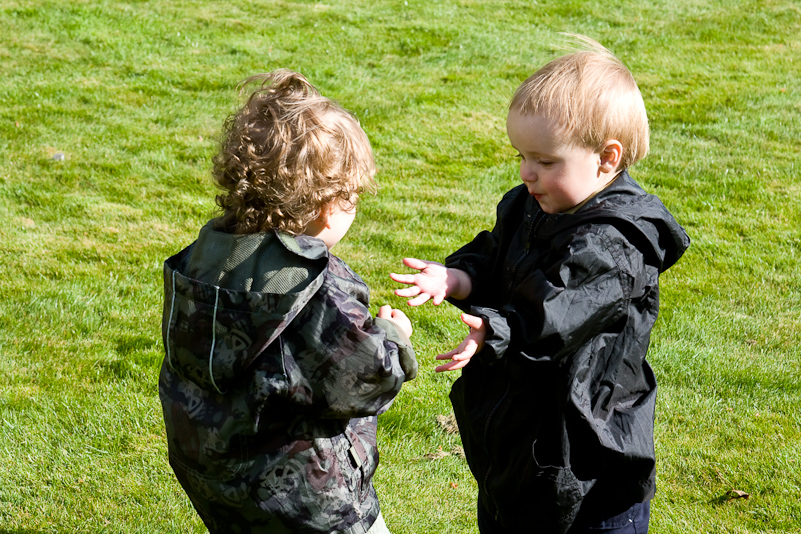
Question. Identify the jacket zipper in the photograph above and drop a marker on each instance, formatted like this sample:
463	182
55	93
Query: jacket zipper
532	226
486	448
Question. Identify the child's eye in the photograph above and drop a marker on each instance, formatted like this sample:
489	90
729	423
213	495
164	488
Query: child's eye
546	163
519	155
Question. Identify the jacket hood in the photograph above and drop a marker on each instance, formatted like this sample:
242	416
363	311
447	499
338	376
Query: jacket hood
229	297
640	216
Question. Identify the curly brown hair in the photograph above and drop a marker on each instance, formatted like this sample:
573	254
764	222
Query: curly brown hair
286	155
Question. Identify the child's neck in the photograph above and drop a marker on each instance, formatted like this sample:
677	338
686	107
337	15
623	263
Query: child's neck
581	204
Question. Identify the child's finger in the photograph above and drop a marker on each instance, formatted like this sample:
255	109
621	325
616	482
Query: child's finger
414	263
397	314
412	291
452	366
472	321
466	352
420	299
402	278
447	355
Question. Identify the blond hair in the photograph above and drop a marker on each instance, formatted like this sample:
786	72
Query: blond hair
593	98
287	154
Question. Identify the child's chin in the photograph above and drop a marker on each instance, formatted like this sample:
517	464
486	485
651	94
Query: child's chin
544	206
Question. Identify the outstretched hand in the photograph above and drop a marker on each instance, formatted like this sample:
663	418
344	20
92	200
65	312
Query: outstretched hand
434	282
431	283
474	342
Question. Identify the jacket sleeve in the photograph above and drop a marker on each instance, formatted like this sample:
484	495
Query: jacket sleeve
558	308
408	362
351	364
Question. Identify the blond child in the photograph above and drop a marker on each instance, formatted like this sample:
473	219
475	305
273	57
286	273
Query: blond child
275	370
555	403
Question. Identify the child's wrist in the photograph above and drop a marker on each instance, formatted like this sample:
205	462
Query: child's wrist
461	286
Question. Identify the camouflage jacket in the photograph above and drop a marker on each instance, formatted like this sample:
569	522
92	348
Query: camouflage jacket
273	376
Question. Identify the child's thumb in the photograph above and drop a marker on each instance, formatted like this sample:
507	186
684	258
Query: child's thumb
472	321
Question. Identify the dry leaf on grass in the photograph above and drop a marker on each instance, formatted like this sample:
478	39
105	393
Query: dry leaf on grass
448	423
737	494
440	454
436	455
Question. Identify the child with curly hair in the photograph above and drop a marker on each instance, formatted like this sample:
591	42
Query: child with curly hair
275	370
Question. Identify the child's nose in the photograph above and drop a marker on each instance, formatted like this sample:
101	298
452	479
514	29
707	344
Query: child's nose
526	173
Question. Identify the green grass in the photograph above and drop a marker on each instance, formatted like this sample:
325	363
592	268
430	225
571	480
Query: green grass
134	93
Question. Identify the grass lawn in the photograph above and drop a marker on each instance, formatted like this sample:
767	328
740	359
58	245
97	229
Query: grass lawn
109	112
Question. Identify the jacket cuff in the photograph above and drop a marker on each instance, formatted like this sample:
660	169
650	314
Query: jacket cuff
408	361
498	333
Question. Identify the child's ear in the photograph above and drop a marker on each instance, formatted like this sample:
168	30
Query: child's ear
611	154
325	215
315	227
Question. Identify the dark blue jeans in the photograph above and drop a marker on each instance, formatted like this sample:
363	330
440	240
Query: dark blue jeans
632	521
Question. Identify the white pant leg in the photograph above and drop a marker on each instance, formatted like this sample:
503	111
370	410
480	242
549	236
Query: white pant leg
379	527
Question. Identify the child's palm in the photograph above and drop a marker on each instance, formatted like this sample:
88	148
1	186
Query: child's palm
472	344
431	283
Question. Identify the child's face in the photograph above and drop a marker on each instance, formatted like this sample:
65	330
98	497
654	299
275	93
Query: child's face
557	174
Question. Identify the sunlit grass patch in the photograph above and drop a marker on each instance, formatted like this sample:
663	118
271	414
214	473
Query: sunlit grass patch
110	114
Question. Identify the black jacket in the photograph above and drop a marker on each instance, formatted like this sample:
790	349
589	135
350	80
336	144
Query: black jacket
557	411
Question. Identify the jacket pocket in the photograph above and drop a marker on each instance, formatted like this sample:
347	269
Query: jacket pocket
362	456
557	494
528	493
316	490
